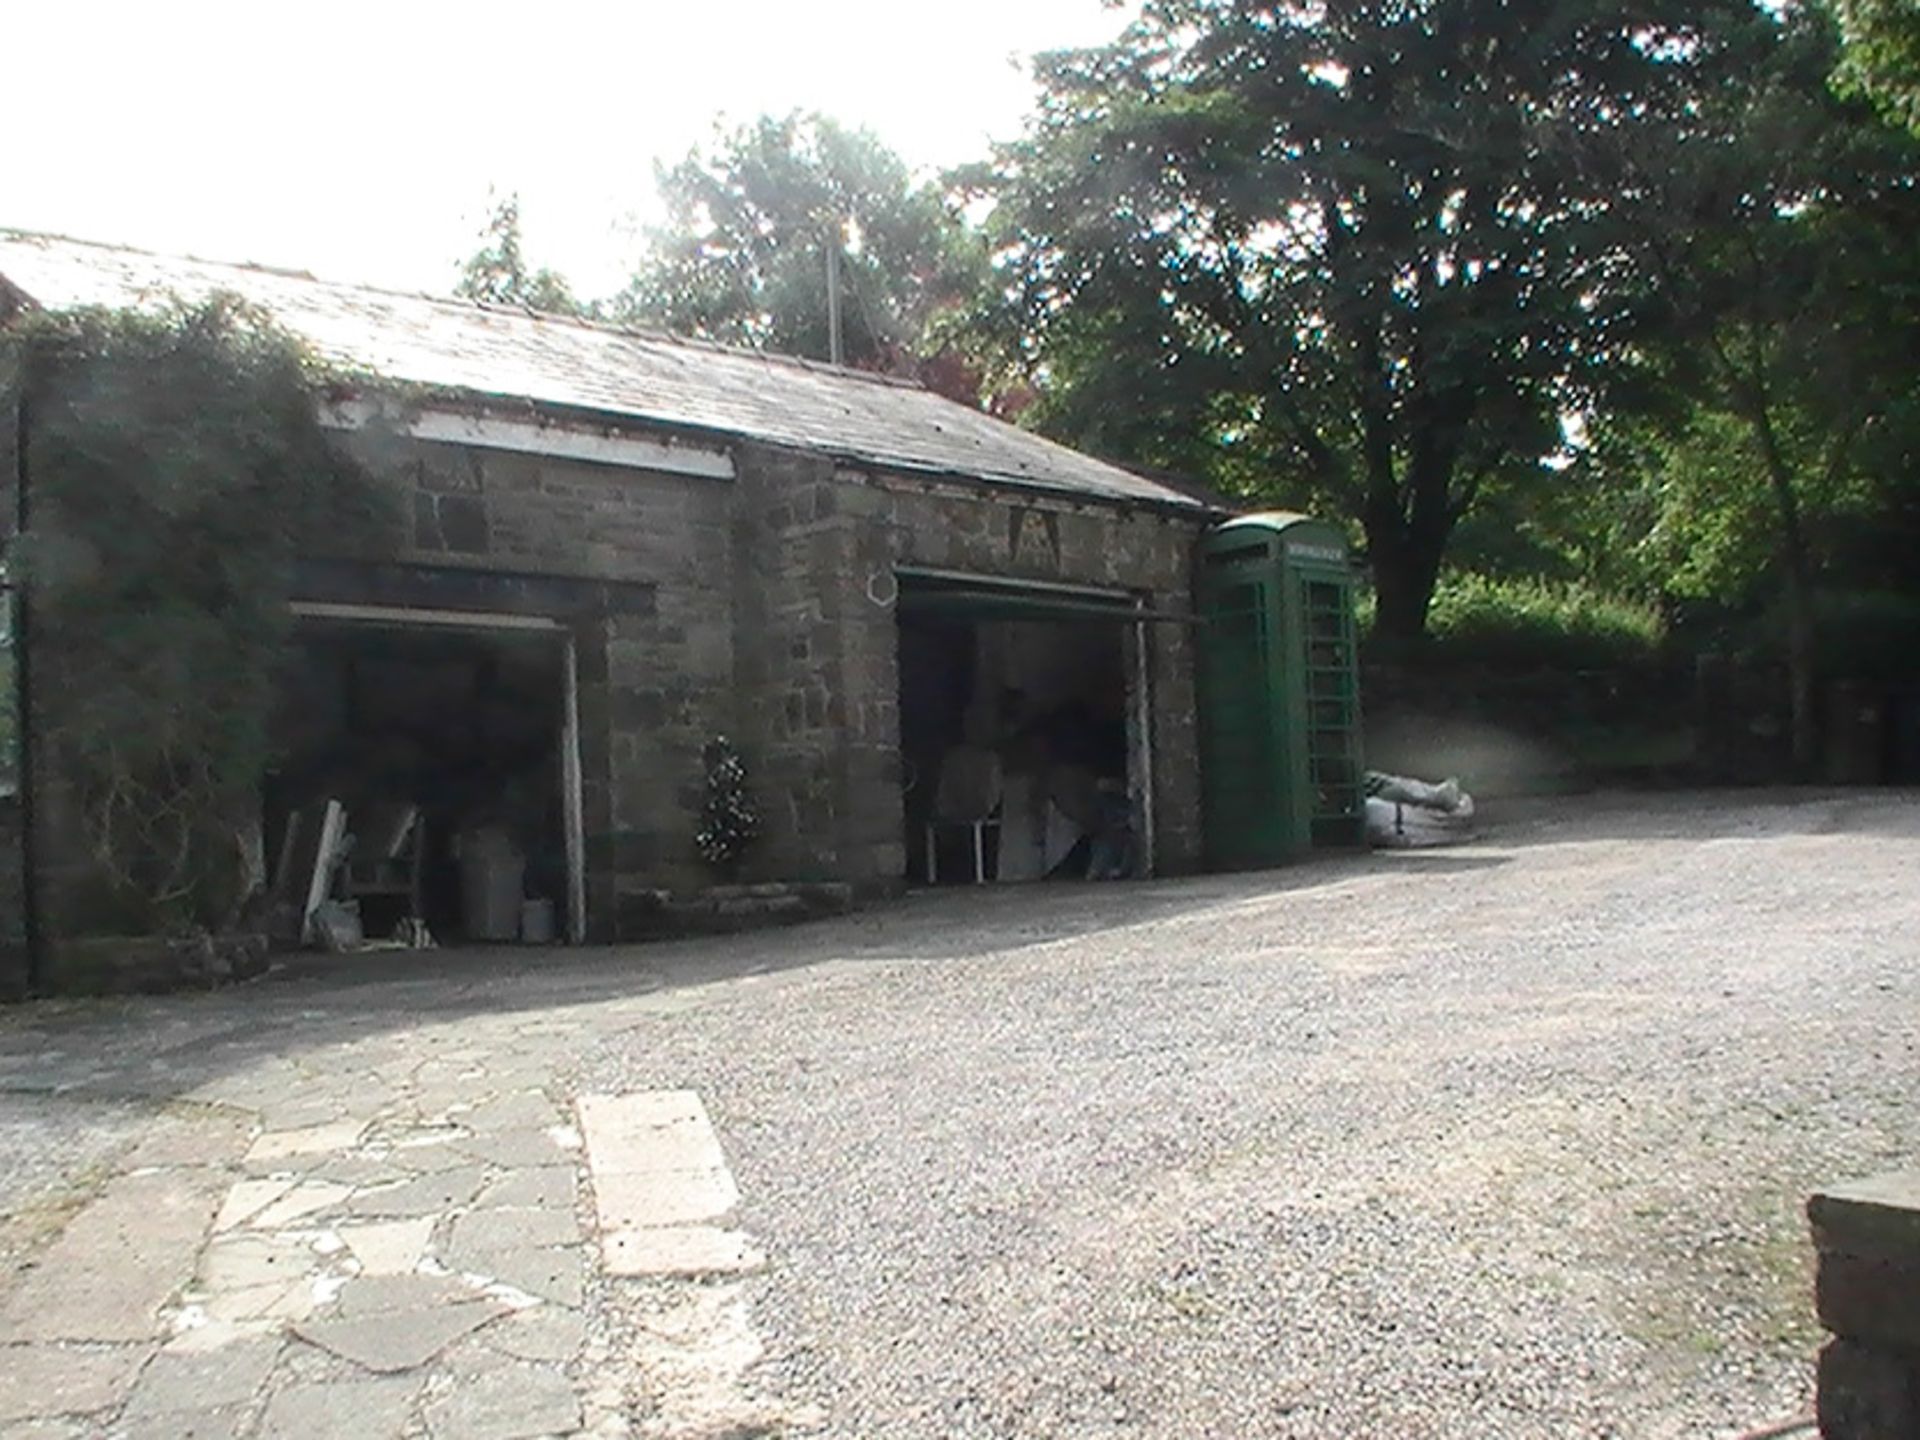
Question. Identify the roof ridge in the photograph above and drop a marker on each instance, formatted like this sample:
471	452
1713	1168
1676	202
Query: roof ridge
461	302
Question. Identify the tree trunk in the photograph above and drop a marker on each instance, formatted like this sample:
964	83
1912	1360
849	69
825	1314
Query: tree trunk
1406	541
1799	575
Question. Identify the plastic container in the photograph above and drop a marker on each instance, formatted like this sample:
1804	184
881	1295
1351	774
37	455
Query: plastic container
536	922
493	877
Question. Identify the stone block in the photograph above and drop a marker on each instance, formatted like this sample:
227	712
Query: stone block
1867	1233
1867	1393
1877	1217
1869	1299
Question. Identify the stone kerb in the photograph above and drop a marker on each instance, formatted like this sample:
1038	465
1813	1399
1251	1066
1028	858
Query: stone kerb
1867	1288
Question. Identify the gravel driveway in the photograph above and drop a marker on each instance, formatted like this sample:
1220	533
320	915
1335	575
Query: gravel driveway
1503	1141
1509	1140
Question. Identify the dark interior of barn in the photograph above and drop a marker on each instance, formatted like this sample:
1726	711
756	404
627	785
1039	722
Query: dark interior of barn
1014	743
439	752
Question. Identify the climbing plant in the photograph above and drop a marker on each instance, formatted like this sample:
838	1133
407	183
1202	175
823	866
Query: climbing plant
729	820
175	464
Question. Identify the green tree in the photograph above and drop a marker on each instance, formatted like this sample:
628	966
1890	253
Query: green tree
177	465
742	256
497	273
1341	254
1775	228
1881	55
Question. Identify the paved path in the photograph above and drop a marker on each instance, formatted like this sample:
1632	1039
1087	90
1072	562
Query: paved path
1504	1141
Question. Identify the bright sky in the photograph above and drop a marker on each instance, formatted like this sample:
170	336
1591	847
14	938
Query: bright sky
360	139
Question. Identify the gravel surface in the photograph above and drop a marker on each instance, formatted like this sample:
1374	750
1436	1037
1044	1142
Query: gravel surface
1504	1141
1508	1140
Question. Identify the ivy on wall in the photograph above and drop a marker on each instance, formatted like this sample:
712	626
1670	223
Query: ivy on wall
176	465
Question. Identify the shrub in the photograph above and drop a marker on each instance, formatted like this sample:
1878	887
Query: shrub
1478	619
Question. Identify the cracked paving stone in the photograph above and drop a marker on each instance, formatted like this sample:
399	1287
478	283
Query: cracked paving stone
180	1380
397	1340
514	1149
556	1275
43	1380
523	1110
344	1410
202	1135
235	1263
542	1187
512	1229
389	1247
378	1294
307	1198
307	1140
224	1422
543	1333
512	1402
116	1264
430	1194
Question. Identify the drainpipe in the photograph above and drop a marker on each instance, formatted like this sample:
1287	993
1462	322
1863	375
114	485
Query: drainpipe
23	705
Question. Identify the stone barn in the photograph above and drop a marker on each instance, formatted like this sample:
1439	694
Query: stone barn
620	546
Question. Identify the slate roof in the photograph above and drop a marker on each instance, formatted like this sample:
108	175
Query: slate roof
497	352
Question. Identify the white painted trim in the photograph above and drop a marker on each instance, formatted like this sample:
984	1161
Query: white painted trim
561	442
436	619
1014	585
572	804
1143	712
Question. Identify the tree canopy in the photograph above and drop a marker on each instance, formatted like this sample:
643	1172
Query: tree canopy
498	273
742	254
1882	55
1351	251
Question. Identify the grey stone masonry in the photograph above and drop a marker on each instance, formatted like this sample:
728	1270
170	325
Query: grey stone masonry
1867	1234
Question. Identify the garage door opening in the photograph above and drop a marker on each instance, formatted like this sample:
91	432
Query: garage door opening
1022	728
425	782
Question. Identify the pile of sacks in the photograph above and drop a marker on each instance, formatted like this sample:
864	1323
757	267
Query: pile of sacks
1403	813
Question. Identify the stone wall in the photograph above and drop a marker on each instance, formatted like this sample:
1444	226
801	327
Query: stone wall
655	669
1867	1289
760	608
819	644
13	936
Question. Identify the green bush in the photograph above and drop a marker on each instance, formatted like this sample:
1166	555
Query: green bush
1479	619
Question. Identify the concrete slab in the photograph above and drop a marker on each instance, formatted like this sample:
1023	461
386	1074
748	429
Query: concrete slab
664	1197
679	1250
117	1263
43	1380
623	1132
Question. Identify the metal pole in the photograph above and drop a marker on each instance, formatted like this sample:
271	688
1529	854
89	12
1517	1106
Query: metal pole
836	349
23	699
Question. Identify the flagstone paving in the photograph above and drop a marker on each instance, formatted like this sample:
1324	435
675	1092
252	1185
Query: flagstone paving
389	1234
